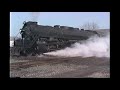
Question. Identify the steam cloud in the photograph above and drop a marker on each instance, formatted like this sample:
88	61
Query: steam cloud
34	16
94	46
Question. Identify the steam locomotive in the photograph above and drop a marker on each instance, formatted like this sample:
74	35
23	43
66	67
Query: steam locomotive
37	39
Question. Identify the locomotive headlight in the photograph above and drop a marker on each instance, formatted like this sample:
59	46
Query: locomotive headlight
11	43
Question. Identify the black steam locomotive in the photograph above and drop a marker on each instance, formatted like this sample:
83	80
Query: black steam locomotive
37	39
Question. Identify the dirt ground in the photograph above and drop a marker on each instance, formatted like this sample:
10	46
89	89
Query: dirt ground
60	67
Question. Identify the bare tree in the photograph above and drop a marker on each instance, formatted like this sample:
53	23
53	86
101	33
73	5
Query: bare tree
90	26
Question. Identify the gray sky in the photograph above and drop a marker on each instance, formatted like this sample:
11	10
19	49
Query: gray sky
73	19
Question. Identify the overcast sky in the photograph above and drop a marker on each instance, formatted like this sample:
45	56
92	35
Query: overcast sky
73	19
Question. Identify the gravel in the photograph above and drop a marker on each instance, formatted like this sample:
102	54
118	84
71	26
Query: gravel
69	67
45	70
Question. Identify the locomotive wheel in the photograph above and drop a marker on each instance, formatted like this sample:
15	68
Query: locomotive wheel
42	49
33	54
23	53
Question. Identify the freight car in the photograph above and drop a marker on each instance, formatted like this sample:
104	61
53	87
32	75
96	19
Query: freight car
37	39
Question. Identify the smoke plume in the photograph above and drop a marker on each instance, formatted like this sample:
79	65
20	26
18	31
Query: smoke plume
94	46
34	16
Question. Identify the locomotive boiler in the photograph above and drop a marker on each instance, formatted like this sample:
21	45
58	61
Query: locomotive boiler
37	39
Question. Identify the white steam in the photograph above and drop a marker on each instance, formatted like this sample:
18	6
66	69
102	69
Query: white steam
95	46
34	16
